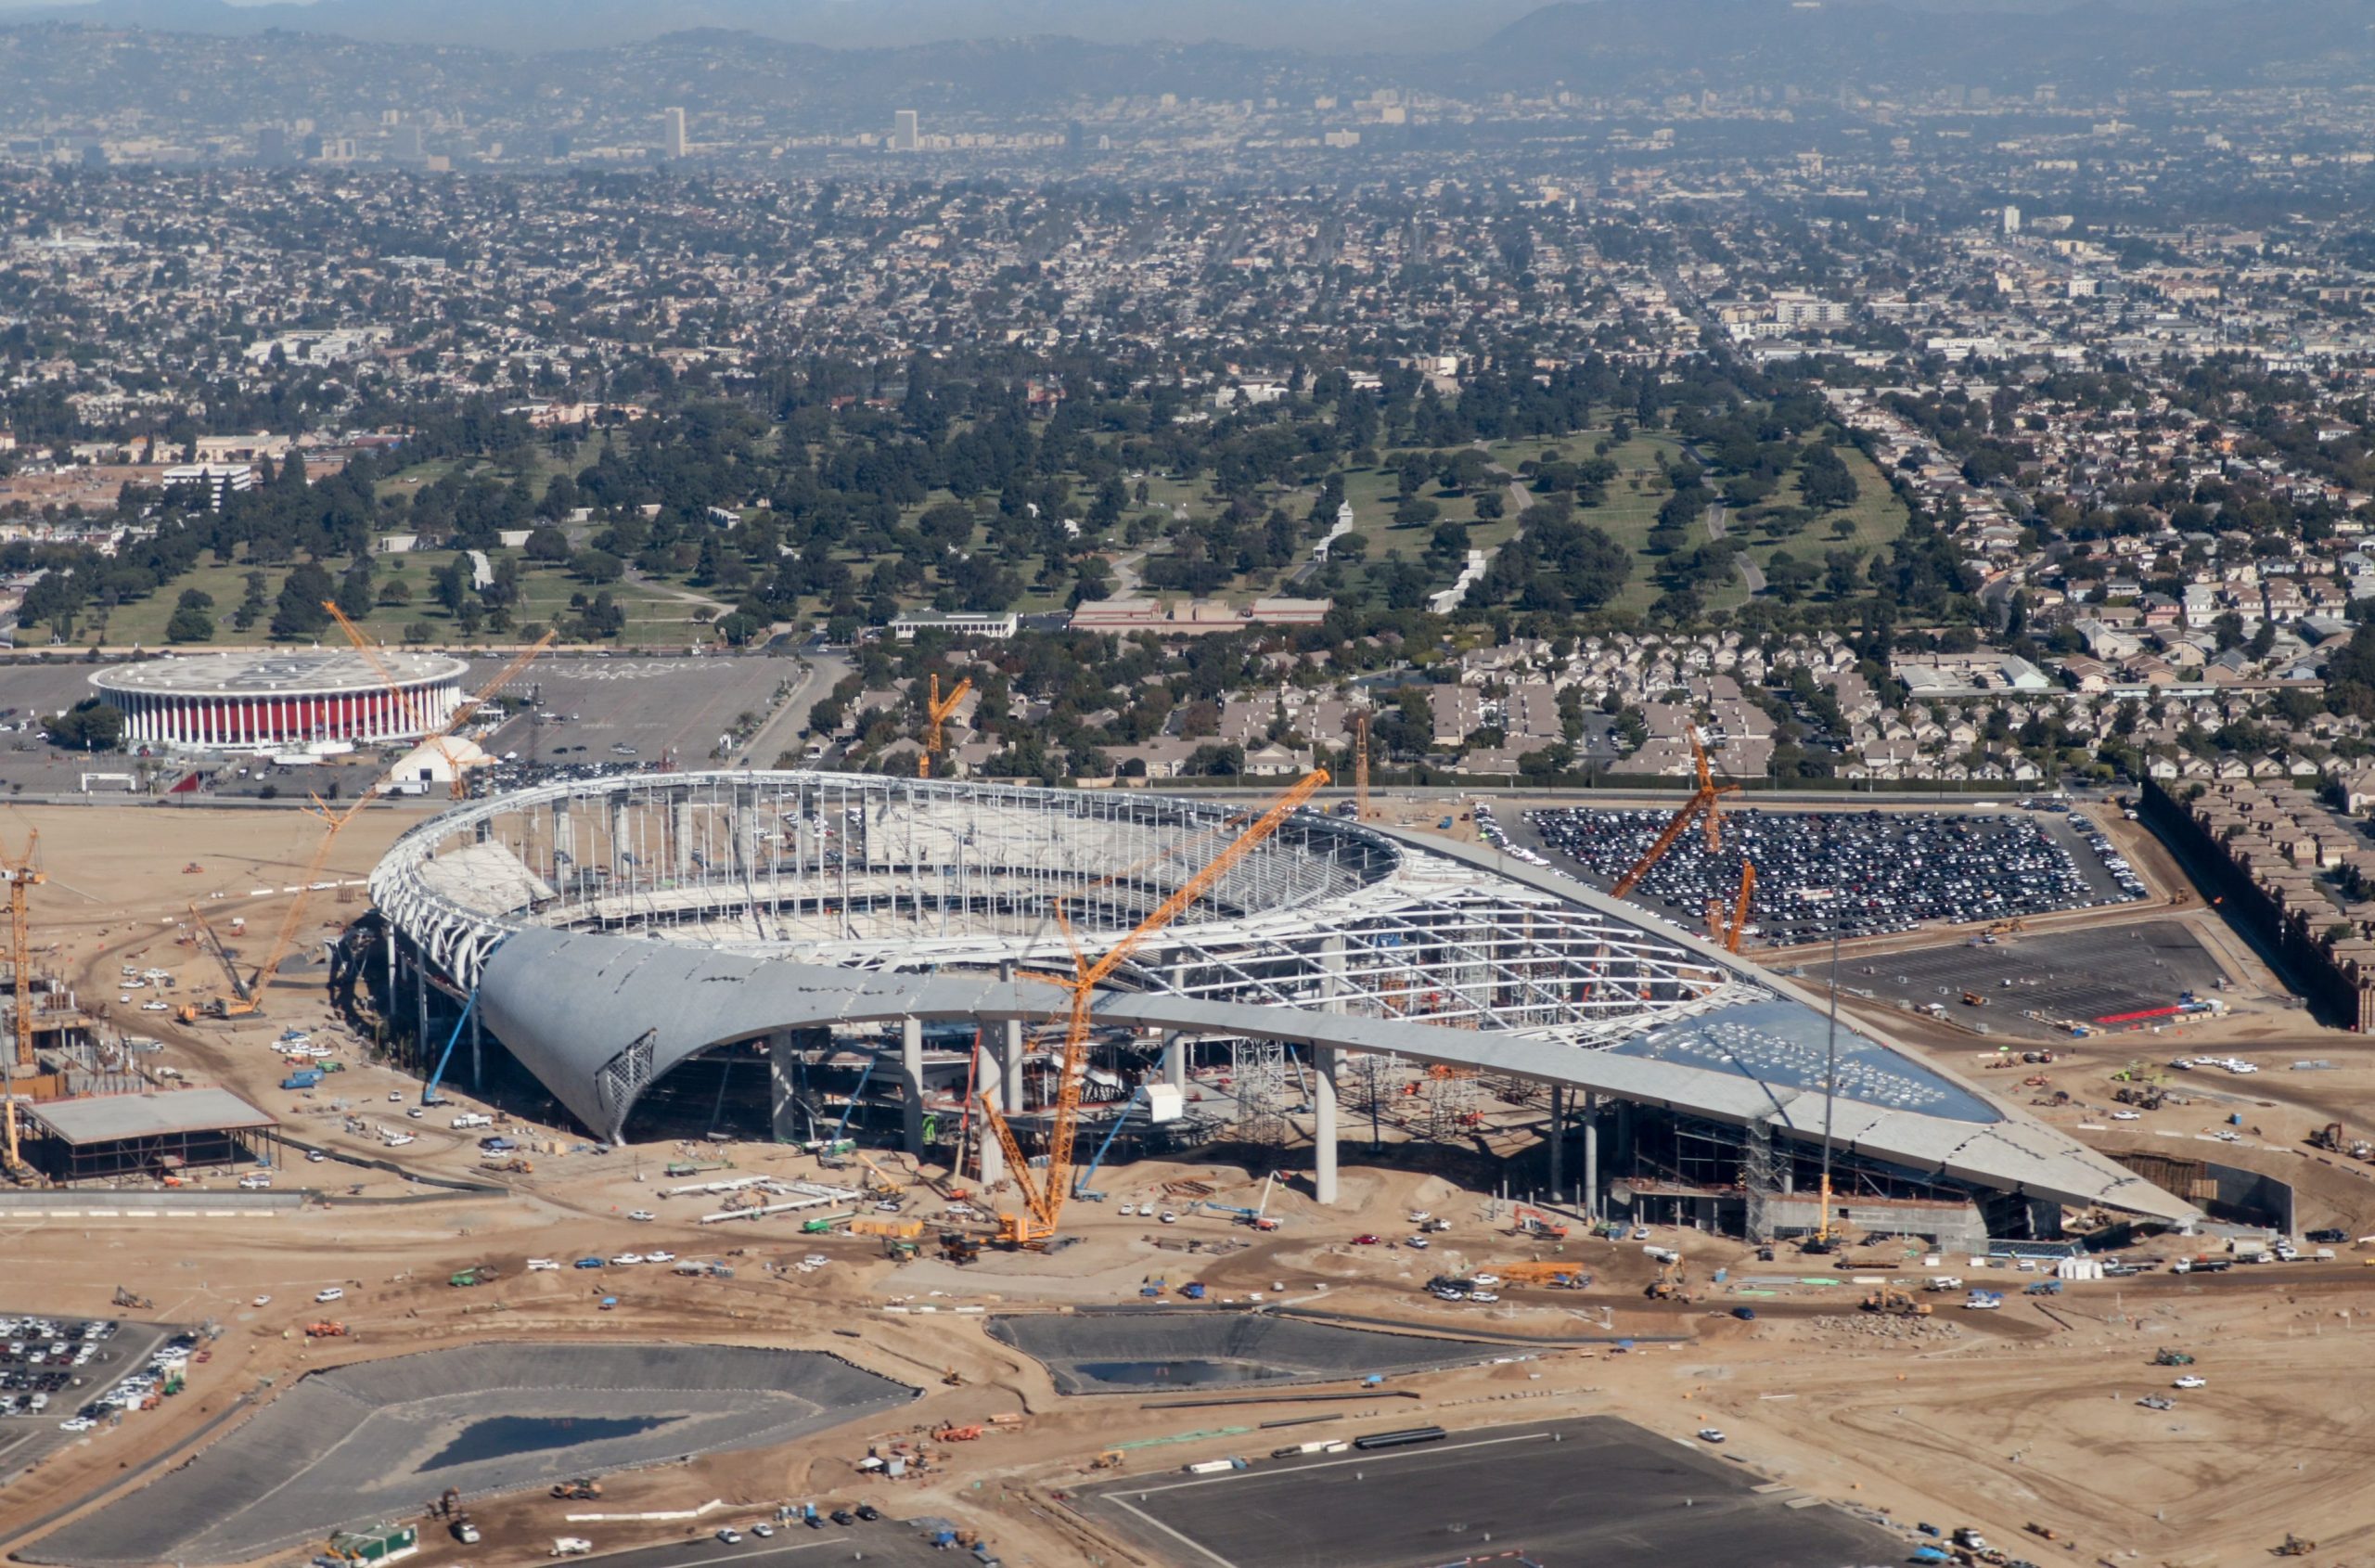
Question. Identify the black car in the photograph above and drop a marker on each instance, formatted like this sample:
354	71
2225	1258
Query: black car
868	1512
2331	1233
843	1516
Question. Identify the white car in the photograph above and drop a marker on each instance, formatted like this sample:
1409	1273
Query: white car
315	1157
1485	1279
2126	1116
642	1215
2189	1380
625	1258
77	1423
1170	1218
659	1257
543	1266
1129	1208
1711	1434
730	1534
261	1301
1418	1243
155	1006
323	1297
1485	1296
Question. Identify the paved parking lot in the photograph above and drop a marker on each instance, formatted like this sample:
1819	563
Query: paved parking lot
660	707
1863	872
1563	1494
29	1437
2084	976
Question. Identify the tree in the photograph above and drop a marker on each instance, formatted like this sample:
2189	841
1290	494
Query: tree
598	566
89	726
298	612
547	545
190	625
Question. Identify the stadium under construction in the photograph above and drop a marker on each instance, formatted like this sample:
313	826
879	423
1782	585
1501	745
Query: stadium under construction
819	956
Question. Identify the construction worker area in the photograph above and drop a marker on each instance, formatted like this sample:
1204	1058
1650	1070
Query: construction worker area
388	1292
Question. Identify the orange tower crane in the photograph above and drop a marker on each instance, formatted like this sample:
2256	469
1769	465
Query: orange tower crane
1725	929
22	877
1700	804
1043	1195
936	714
461	716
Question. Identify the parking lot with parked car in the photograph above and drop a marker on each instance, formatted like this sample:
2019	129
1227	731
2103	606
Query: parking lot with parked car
1865	873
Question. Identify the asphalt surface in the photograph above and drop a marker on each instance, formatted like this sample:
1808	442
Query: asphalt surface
2081	975
358	1444
1197	1349
1564	1494
677	707
883	1544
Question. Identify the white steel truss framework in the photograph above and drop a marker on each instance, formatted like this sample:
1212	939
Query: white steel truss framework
898	874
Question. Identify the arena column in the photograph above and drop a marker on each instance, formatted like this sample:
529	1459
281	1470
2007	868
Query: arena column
783	1073
1591	1155
1558	1140
911	1074
1323	1075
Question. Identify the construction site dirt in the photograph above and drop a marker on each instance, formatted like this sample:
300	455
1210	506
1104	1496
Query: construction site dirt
1992	1419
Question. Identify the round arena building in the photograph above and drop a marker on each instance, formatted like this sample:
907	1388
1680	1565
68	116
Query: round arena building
267	699
820	957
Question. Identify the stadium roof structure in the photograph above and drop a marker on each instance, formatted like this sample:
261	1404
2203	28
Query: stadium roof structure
658	917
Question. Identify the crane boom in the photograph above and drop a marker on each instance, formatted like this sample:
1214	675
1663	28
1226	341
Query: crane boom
1702	799
222	954
371	656
1044	1199
1740	909
23	879
936	712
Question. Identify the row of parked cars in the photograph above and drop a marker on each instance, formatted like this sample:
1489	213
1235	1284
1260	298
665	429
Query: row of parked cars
164	1367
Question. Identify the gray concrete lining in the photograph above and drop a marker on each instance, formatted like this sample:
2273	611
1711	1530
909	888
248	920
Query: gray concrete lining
347	1447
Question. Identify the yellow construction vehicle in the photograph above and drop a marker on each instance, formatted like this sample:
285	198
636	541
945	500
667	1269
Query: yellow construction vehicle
1670	1284
1893	1303
1044	1193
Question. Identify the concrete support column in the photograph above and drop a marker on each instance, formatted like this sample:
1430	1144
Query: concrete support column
1591	1155
1323	1074
988	1077
911	1076
783	1075
564	838
681	830
1174	1061
1006	1060
1558	1140
1323	1124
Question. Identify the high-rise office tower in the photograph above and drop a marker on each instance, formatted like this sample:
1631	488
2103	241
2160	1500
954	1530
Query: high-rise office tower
2011	219
672	131
906	135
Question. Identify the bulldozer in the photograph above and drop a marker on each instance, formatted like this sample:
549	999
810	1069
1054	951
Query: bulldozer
1893	1303
1110	1459
583	1489
2295	1546
332	1331
131	1303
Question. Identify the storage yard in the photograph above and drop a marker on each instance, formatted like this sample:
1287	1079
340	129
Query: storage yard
1020	1421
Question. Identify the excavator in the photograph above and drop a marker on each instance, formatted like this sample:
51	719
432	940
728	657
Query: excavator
1534	1223
1889	1301
1671	1284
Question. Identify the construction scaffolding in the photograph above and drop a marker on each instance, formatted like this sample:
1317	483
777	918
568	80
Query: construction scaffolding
1258	1072
1759	1180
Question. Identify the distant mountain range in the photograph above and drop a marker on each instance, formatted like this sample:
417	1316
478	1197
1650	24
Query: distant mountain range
534	26
195	64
